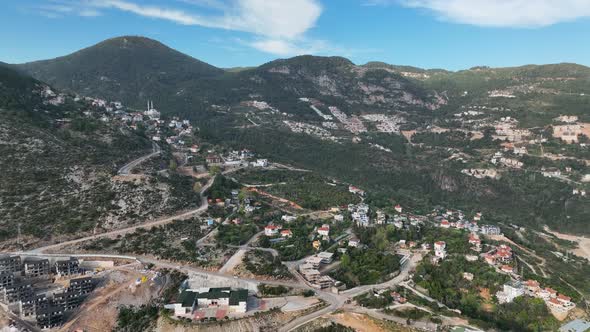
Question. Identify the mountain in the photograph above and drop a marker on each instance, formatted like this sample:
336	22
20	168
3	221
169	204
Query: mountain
346	121
17	89
135	69
339	78
483	78
129	69
58	161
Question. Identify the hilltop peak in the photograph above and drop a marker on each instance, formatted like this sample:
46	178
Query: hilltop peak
127	68
311	61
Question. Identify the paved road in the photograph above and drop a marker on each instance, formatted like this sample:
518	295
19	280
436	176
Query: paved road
337	301
334	301
382	316
126	169
405	270
148	225
236	258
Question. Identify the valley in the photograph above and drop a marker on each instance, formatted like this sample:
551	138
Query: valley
308	193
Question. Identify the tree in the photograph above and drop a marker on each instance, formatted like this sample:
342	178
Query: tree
173	165
380	240
214	170
244	193
345	260
197	187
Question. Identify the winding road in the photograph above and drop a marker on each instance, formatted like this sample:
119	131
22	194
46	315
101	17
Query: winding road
333	301
126	169
147	225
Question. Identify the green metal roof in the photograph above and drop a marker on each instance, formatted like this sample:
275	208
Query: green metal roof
213	295
187	298
237	296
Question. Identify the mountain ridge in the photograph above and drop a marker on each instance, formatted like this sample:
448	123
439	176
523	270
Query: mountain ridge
130	69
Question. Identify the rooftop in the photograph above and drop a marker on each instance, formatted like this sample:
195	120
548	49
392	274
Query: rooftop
187	298
237	296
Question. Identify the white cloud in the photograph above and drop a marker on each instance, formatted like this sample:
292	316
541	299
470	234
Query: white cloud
502	13
89	12
212	4
276	46
283	47
177	16
279	18
60	8
277	26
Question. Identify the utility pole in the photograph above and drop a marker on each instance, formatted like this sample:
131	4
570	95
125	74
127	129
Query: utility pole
18	234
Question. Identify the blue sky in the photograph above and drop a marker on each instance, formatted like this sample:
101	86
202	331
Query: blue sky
450	34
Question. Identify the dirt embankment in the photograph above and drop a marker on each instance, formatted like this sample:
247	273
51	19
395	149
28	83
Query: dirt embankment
583	249
263	323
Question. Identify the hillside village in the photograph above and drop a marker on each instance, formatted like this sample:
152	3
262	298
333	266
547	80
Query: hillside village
309	191
337	237
331	244
513	143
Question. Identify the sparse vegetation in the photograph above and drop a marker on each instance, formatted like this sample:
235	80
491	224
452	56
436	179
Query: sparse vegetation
264	263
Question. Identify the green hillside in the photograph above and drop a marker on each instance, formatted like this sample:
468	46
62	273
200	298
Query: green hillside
130	69
58	166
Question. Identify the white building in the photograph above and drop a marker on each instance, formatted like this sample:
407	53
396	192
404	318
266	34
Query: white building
191	300
261	163
326	257
287	218
510	291
440	249
271	230
324	230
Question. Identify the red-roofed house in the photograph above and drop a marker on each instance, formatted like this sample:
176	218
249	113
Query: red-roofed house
474	239
324	230
445	224
286	233
398	298
398	208
504	253
565	300
507	268
356	190
439	249
532	286
554	303
271	230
